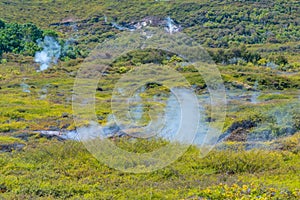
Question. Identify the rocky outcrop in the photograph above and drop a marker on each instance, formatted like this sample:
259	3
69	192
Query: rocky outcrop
238	131
11	147
242	86
23	136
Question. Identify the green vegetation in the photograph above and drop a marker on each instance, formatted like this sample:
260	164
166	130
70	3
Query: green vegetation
9	140
52	169
255	45
218	24
18	38
26	39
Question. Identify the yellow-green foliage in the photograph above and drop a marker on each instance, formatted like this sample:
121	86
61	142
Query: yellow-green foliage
48	169
9	140
56	170
252	191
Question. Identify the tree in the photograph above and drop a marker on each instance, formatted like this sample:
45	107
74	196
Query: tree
18	38
31	32
2	24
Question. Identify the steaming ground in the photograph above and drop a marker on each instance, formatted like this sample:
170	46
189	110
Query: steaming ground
50	53
280	120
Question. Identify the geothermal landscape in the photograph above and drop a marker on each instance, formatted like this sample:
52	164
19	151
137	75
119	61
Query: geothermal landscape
150	99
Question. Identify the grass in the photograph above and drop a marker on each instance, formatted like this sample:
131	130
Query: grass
32	111
53	170
9	140
202	20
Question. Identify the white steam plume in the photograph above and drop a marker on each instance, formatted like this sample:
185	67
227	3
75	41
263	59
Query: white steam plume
50	53
170	26
25	87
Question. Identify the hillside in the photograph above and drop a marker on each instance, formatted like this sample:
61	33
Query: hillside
254	47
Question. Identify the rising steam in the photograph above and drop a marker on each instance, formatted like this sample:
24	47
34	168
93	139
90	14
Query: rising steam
50	53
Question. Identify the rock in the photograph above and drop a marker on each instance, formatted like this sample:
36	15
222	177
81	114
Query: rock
99	89
14	86
65	115
50	136
199	87
100	117
3	188
53	128
152	85
11	147
65	126
23	136
238	131
241	85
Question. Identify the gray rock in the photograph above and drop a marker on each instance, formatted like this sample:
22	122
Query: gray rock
11	147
